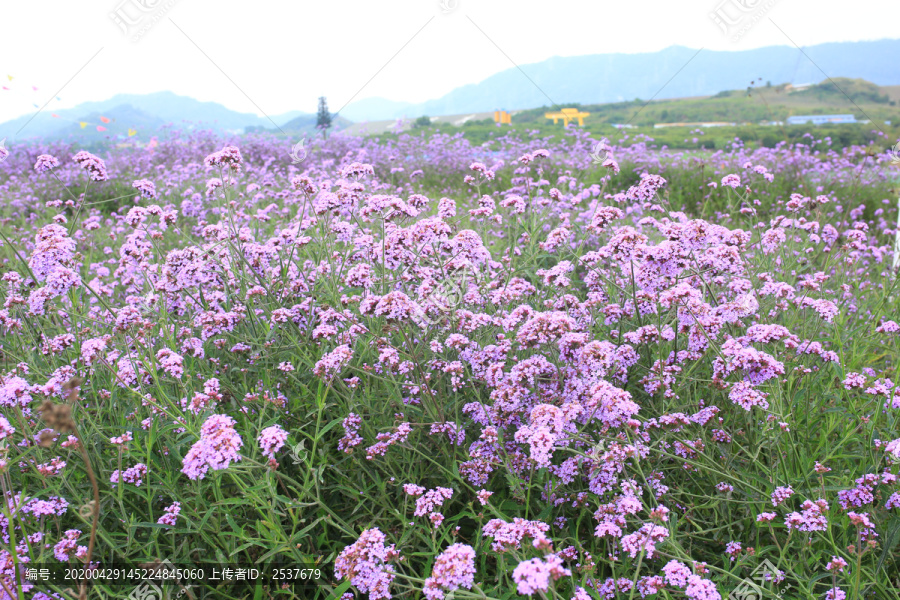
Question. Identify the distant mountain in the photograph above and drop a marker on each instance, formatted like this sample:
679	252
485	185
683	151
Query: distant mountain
602	78
676	72
304	124
142	112
374	108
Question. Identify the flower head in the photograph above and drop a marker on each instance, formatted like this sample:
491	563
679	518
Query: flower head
45	162
217	447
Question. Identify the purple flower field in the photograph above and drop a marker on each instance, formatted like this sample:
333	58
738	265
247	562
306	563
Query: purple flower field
551	368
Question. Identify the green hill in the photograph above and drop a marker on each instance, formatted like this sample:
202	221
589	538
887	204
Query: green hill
759	102
757	112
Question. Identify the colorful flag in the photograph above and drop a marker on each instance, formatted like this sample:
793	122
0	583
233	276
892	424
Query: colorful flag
104	119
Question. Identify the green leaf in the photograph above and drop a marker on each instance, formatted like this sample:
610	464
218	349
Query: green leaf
890	541
150	525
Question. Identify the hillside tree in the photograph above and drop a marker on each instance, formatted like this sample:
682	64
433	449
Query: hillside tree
323	118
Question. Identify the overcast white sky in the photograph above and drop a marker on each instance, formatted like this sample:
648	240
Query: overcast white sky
280	56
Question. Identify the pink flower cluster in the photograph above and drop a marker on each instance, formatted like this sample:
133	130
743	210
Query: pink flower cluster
45	162
453	568
536	574
171	517
229	156
429	501
271	440
92	164
366	564
217	447
134	475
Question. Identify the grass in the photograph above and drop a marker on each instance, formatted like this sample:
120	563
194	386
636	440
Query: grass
284	304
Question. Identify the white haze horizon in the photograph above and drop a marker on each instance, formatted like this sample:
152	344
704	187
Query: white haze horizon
281	60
